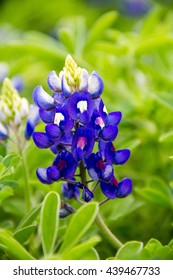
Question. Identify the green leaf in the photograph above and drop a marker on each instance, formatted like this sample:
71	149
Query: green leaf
110	48
79	252
154	44
92	254
155	251
168	136
164	98
99	27
79	224
22	235
29	218
10	183
49	221
124	207
5	192
157	192
130	251
67	39
9	160
13	247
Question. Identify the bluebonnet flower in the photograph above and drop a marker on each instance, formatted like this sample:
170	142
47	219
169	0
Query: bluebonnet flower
135	7
15	112
76	123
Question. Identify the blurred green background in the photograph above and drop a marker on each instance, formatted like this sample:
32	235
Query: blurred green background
131	47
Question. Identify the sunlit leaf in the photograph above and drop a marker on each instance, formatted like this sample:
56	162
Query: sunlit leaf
5	192
29	218
79	224
98	29
13	247
67	39
157	192
130	251
22	235
79	252
49	221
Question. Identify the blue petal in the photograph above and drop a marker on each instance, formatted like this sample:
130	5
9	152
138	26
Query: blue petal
95	85
109	133
113	118
66	210
62	118
109	189
53	173
66	164
41	140
70	168
108	172
56	148
107	151
47	116
3	132
80	107
124	188
92	167
65	87
42	176
121	156
84	81
53	131
99	106
87	195
60	98
67	139
83	143
18	83
34	114
54	82
78	154
42	99
70	190
29	129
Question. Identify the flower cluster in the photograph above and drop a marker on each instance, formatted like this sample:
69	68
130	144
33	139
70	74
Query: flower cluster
77	123
14	109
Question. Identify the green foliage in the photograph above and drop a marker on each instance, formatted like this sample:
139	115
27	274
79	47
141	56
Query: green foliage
86	216
23	234
134	58
49	221
12	247
153	250
158	192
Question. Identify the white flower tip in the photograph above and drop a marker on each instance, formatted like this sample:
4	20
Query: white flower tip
54	82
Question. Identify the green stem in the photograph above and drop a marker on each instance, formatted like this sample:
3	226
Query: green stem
82	173
27	189
107	233
99	221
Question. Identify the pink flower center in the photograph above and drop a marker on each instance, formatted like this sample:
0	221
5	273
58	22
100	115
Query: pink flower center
81	143
100	122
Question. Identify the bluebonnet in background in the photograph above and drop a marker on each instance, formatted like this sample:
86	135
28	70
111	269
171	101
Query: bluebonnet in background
16	114
80	132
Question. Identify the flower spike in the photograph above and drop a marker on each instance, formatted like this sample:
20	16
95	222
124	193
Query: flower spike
77	123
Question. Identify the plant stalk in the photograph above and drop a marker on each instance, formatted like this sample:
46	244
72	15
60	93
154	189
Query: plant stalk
107	233
27	189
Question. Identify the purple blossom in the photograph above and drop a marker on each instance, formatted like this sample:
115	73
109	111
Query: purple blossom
77	123
70	190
